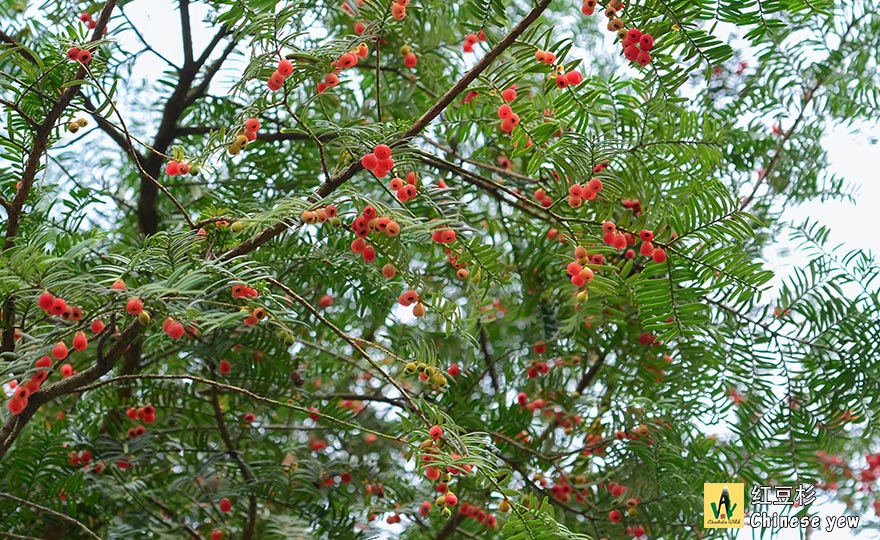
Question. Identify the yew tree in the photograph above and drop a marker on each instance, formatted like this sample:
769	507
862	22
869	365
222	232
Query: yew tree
427	269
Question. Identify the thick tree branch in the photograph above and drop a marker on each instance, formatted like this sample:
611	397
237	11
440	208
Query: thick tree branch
15	424
178	101
186	32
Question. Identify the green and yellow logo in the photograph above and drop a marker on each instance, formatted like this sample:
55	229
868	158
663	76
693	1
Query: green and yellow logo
723	506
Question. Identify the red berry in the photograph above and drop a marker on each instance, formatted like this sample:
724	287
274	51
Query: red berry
369	254
646	235
134	306
509	94
325	301
174	330
646	41
631	52
659	255
408	298
370	161
216	534
66	370
634	34
454	370
285	68
647	249
59	306
644	58
46	301
561	81
435	432
84	56
45	361
80	342
609	227
225	367
59	351
410	60
382	151
359	28
16	406
252	124
451	499
432	473
575	78
614	516
73	54
225	505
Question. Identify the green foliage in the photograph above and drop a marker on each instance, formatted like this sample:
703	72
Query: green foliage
657	376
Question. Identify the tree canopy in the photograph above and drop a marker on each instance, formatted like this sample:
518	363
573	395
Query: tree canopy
427	269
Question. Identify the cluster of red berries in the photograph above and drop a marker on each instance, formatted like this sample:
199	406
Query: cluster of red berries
175	168
243	291
320	215
398	9
379	161
146	413
411	298
460	271
53	306
409	57
536	369
254	316
174	329
579	273
369	221
578	193
405	191
522	399
22	392
572	78
79	459
635	205
509	119
636	46
620	240
444	235
478	514
542	197
368	254
471	39
284	70
75	54
86	18
546	57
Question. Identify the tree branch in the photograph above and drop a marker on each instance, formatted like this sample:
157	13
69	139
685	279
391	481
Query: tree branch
50	512
330	185
246	472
